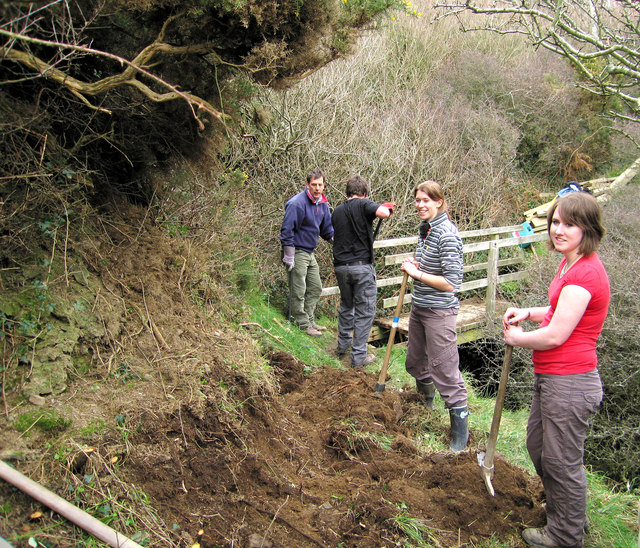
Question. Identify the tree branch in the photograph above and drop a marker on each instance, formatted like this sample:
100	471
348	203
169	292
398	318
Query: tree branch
599	37
126	77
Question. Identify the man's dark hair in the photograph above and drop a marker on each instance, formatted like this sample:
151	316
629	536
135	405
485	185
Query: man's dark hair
316	173
357	186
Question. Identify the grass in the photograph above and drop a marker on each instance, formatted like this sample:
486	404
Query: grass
44	420
418	532
612	513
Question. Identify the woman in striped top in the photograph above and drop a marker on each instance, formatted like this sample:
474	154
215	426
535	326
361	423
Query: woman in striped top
432	352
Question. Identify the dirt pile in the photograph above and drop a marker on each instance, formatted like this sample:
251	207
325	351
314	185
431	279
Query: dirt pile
325	463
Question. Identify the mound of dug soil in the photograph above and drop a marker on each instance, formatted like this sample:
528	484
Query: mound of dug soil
327	463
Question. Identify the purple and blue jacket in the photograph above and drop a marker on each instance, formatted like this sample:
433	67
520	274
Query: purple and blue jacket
304	220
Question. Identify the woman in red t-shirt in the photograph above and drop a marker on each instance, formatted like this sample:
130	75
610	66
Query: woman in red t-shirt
567	387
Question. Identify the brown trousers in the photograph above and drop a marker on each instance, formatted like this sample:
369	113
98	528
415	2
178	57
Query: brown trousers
556	431
432	352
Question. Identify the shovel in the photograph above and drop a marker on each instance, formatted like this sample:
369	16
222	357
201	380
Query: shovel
485	460
290	318
392	335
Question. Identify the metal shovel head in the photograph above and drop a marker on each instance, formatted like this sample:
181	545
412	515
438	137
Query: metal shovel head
487	473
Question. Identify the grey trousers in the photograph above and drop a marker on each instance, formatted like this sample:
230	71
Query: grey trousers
306	287
432	352
357	308
556	431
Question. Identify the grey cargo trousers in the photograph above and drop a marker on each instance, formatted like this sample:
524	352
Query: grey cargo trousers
556	431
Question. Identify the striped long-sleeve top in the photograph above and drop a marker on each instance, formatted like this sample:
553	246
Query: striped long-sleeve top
439	253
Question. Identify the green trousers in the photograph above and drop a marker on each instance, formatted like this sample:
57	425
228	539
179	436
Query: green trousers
306	287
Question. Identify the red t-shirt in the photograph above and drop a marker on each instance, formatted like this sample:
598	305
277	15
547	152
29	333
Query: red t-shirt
578	353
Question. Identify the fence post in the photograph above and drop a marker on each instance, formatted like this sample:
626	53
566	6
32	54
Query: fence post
492	279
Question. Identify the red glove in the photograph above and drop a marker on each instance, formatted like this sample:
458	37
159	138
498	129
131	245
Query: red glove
390	206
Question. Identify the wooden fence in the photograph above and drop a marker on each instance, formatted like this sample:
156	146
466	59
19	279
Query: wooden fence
481	252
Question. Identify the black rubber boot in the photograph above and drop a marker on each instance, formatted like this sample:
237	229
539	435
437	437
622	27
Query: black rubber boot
459	417
428	390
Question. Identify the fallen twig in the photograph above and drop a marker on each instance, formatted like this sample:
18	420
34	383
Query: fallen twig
350	385
253	324
157	336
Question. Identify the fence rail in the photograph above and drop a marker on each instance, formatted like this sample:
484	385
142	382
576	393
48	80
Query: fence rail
489	240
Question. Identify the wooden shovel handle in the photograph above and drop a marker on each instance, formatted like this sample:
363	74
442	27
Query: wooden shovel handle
392	335
497	410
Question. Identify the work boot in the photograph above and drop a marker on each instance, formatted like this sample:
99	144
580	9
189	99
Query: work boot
312	332
459	417
368	360
319	327
428	390
341	353
538	537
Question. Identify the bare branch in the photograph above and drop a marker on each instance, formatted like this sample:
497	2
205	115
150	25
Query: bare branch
126	77
601	38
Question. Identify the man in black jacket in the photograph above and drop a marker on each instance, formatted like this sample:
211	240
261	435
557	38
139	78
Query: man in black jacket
353	262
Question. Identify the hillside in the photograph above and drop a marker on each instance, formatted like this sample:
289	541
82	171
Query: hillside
207	437
136	239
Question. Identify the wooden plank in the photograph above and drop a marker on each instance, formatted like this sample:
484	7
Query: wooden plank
538	211
512	277
492	279
378	334
466	248
538	224
626	176
333	290
383	282
474	284
392	301
472	314
599	181
504	242
395	242
465	286
518	240
471	335
470	323
501	263
492	231
390	260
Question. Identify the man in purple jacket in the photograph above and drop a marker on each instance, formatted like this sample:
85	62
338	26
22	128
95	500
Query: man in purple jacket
306	216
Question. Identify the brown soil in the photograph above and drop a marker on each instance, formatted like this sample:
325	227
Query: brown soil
306	469
293	460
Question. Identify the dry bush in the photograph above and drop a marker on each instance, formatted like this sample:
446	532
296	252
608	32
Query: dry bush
613	445
417	101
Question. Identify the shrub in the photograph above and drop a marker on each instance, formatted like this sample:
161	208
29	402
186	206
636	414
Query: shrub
613	445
